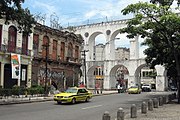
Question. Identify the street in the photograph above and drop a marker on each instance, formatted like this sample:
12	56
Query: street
92	110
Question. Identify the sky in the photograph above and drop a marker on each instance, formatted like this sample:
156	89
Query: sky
73	12
82	12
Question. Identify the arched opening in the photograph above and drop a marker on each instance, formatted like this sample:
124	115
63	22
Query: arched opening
95	46
119	74
12	38
100	41
91	77
145	76
45	46
25	43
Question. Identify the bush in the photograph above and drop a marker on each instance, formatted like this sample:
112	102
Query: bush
36	89
17	90
6	92
32	91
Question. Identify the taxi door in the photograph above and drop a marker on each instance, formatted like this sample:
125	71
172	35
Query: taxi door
82	93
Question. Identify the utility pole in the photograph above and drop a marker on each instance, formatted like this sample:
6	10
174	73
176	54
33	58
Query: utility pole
46	68
84	54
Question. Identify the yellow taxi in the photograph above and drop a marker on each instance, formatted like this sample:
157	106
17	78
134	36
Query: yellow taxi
134	89
73	95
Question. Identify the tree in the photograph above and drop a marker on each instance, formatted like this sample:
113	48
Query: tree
159	26
11	10
164	2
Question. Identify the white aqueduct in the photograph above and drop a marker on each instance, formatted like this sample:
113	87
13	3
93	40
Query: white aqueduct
110	30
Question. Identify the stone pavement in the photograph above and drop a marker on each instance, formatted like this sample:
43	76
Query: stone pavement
169	111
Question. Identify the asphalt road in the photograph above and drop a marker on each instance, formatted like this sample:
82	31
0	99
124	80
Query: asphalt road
92	110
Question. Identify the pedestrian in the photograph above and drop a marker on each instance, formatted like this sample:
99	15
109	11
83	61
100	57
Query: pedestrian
97	88
118	88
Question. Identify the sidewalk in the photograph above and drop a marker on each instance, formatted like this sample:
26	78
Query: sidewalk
22	99
169	111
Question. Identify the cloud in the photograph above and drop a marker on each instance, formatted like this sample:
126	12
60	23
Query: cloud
91	14
78	11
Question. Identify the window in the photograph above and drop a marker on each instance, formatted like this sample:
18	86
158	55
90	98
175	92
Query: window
54	54
45	46
12	36
70	50
82	91
35	44
25	43
77	52
62	50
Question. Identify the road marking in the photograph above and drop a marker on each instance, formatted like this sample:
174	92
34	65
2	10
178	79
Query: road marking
95	106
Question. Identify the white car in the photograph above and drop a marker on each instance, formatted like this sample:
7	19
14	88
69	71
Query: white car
146	88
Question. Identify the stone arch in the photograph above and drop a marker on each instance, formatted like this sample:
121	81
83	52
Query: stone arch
90	76
113	80
114	34
136	74
161	79
91	44
93	36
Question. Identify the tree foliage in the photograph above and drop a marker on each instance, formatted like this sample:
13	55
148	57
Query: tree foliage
164	2
11	10
160	27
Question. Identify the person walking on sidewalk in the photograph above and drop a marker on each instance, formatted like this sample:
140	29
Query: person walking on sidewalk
119	88
97	87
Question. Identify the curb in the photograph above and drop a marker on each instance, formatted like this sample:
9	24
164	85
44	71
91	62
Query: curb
24	101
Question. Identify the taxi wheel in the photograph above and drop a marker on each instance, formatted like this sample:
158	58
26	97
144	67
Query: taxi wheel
87	99
73	101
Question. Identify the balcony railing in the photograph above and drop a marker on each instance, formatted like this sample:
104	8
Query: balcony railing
19	50
4	48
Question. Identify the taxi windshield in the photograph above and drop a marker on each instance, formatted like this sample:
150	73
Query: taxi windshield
71	90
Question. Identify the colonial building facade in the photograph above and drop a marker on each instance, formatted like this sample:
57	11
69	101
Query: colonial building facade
14	44
46	54
57	53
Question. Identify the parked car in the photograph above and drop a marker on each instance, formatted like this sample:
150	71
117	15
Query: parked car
134	89
73	95
146	88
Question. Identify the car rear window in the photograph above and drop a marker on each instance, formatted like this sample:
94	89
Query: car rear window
134	86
